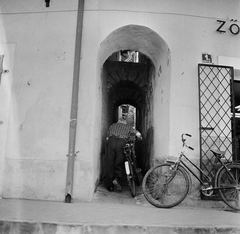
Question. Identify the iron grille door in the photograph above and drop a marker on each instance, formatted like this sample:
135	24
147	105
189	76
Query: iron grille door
217	115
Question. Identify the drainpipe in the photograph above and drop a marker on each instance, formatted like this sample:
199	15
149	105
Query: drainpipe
74	104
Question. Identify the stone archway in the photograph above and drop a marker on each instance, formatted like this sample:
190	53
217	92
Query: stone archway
149	89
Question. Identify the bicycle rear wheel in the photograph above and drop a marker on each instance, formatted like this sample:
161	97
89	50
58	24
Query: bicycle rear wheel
130	178
229	182
165	187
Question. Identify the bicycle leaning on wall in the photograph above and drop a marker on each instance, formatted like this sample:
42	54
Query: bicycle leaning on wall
167	185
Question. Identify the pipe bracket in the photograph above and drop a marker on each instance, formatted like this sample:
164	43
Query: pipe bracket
71	155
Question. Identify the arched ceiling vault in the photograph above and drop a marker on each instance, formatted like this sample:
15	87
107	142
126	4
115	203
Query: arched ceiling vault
137	38
127	81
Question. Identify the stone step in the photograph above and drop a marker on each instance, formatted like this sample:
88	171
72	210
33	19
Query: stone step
26	216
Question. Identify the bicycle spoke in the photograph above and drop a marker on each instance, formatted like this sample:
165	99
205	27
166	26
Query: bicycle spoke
163	187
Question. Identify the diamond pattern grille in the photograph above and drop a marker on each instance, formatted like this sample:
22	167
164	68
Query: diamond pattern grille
216	117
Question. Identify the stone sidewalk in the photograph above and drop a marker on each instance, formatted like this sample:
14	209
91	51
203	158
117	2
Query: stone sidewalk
26	216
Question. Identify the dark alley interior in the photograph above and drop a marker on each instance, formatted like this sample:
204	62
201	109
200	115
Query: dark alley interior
130	82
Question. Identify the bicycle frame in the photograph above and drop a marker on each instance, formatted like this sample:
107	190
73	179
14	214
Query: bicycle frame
208	179
179	161
128	150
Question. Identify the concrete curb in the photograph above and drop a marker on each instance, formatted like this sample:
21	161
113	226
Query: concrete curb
10	227
33	217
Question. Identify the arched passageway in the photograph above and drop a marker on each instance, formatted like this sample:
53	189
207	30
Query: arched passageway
131	83
136	83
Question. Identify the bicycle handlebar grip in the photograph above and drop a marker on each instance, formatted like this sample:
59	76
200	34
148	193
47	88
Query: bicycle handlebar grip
188	135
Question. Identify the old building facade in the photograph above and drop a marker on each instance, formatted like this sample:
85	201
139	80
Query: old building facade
37	42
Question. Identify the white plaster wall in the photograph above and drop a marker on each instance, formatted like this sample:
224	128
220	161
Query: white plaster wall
89	114
37	135
161	102
185	110
38	126
5	98
189	29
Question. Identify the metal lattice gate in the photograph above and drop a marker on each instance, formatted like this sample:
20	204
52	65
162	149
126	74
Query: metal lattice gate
217	115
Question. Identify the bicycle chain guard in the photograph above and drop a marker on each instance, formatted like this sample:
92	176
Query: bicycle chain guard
207	190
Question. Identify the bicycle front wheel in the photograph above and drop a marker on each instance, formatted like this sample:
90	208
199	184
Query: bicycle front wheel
130	178
165	187
228	182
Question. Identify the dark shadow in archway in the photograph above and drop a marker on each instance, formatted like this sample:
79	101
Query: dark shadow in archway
131	83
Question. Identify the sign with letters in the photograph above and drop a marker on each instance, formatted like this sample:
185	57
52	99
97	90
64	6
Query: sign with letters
233	27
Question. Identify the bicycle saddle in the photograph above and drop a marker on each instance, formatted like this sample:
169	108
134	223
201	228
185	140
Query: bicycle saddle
218	152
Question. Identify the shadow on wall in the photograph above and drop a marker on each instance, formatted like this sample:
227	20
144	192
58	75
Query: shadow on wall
144	151
103	160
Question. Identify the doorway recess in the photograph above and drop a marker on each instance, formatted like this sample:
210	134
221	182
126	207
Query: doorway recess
134	69
129	82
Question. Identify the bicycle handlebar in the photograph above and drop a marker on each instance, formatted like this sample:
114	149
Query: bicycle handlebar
183	140
191	148
185	134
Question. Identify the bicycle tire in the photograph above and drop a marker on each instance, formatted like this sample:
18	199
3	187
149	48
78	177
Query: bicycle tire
227	178
165	195
130	178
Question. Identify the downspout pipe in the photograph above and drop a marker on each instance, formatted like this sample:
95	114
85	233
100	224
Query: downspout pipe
74	104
